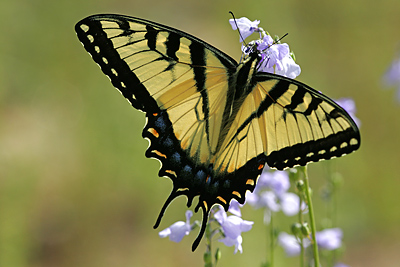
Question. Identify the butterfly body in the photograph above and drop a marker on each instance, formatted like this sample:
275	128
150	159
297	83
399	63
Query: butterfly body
213	123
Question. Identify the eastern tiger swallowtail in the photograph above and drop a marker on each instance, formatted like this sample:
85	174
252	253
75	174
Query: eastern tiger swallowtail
213	123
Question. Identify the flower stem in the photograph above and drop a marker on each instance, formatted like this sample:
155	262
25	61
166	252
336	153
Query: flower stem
302	250
208	262
272	241
312	218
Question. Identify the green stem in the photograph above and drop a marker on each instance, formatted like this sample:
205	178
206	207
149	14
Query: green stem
312	218
272	241
302	250
208	262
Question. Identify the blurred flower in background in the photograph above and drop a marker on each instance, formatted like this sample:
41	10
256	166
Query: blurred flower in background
392	76
271	193
349	105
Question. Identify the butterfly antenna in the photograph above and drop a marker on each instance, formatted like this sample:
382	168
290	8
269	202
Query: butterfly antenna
234	19
286	34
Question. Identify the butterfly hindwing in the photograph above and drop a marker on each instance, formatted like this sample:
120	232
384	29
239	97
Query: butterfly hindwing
212	123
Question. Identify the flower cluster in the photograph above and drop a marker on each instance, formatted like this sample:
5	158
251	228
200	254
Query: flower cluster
272	194
275	57
231	227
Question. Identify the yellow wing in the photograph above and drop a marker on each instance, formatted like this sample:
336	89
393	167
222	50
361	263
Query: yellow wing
290	123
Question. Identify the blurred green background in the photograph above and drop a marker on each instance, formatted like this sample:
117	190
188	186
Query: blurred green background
75	186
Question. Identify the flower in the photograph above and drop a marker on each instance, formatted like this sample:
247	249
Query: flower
392	76
289	68
179	229
274	56
290	203
271	54
339	264
329	239
246	27
291	244
277	181
349	105
234	208
271	194
232	227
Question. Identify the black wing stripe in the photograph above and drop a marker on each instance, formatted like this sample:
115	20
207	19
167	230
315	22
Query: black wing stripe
119	72
278	90
151	37
172	44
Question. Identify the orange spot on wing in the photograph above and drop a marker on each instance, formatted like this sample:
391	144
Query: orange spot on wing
221	199
236	193
171	172
159	153
250	182
153	132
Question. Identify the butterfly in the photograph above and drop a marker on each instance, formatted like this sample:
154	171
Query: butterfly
213	123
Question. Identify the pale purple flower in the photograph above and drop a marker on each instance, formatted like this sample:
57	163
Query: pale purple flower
392	76
289	68
237	242
246	26
272	55
329	239
269	200
234	208
277	181
290	203
349	105
232	227
275	57
275	198
339	264
178	230
291	244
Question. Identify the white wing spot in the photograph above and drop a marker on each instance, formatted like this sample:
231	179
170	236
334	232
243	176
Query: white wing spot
333	149
353	141
85	28
114	72
91	38
105	60
298	158
123	85
321	152
309	155
343	145
97	49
